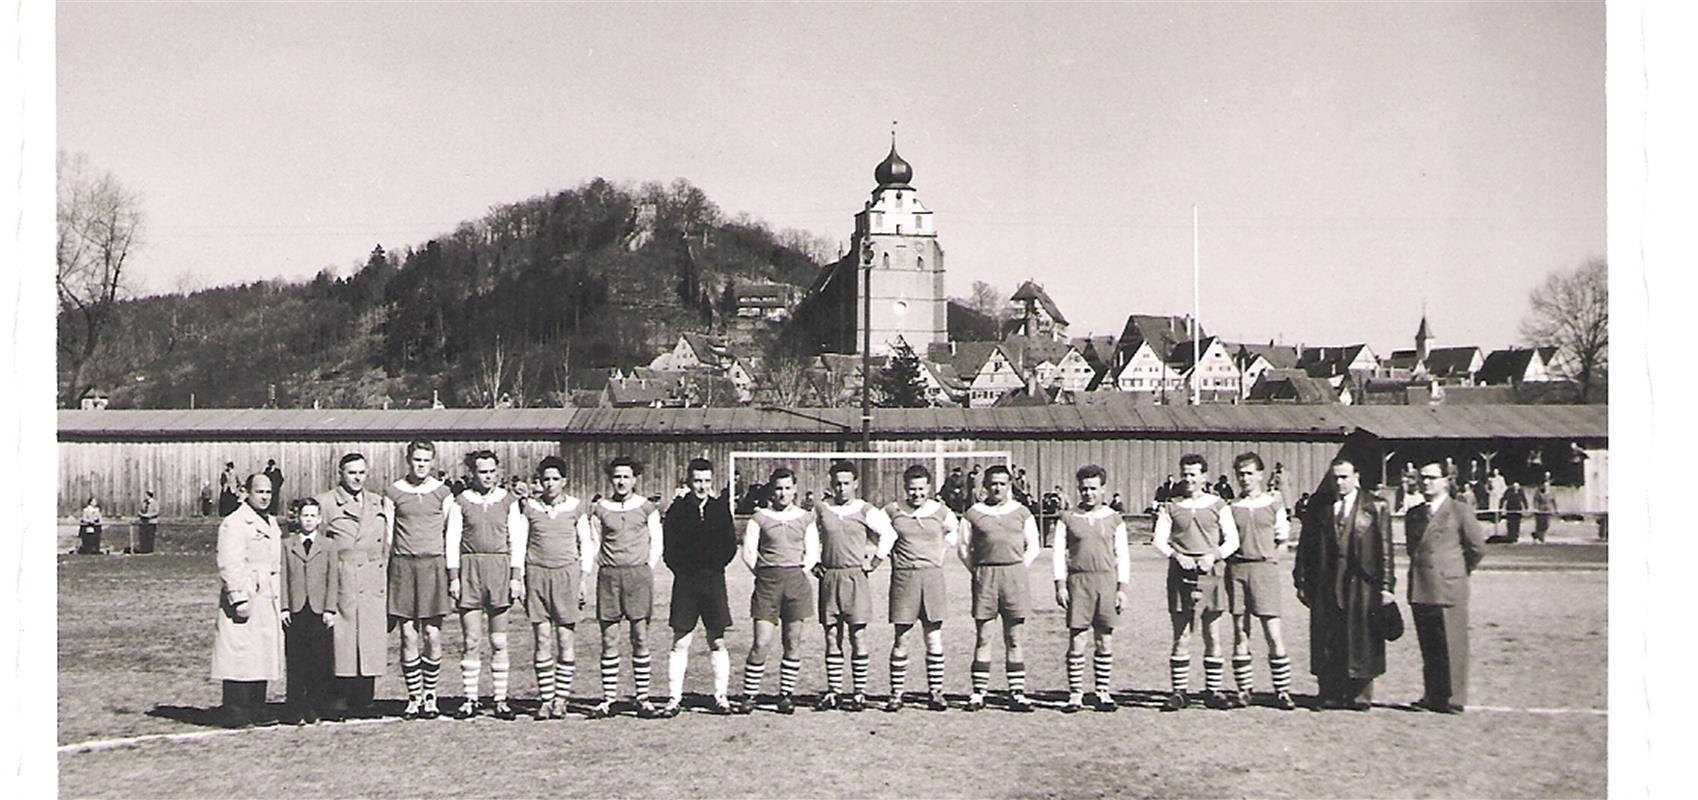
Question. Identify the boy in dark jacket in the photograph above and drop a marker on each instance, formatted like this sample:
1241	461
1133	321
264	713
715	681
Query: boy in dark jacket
309	609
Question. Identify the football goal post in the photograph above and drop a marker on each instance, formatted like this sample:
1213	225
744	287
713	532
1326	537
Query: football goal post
881	473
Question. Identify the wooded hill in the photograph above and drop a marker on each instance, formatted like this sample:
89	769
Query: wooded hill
511	304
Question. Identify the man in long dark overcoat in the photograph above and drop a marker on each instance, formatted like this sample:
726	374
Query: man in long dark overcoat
1345	570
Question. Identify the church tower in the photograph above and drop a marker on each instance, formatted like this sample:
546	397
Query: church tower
895	243
1423	335
896	231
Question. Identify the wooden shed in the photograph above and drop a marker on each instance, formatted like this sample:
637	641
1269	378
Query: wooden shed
114	455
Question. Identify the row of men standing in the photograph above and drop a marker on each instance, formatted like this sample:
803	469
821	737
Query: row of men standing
388	557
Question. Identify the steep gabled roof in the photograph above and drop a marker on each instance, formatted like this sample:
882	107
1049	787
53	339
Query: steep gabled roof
1031	291
1447	362
1162	332
709	349
1506	366
1279	355
1325	362
1180	360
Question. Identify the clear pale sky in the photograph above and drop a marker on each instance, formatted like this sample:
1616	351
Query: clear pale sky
1351	160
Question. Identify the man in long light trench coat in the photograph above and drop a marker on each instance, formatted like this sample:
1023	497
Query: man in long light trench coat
247	645
358	521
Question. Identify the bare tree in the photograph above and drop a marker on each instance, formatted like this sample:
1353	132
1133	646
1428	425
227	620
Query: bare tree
988	300
1571	311
99	226
491	375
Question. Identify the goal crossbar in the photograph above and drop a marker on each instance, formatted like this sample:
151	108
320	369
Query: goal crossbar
933	458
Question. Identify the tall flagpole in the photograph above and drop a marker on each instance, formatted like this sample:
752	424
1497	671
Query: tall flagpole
1196	311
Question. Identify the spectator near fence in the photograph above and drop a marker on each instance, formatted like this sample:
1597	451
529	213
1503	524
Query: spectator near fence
147	522
1544	508
1511	506
88	528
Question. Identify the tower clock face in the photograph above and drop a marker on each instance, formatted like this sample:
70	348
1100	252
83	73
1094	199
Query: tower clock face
900	307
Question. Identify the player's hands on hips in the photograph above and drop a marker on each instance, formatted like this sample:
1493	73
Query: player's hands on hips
818	571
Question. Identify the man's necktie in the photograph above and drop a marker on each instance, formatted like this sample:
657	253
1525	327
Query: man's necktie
307	545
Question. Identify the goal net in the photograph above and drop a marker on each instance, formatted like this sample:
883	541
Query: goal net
881	473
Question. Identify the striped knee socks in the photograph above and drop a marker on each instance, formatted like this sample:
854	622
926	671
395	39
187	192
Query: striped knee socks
980	673
609	677
545	679
410	670
469	670
1243	672
789	670
834	672
898	676
1016	676
1179	671
1075	674
1214	673
753	674
934	672
563	672
1103	665
498	675
428	671
640	671
1280	666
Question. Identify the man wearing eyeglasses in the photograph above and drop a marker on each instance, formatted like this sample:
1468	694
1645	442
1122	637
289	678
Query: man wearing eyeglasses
1445	545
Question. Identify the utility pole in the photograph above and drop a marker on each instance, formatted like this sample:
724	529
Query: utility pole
866	344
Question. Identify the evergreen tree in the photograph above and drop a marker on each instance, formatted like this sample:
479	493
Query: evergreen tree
899	383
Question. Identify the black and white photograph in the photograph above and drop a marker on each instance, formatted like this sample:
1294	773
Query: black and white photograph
912	399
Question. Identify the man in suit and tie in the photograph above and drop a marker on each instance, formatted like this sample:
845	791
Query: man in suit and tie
1445	545
309	610
1345	571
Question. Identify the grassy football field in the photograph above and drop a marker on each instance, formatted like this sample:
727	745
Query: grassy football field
135	635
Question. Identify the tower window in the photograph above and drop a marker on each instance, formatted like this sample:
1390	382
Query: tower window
887	260
898	230
919	262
